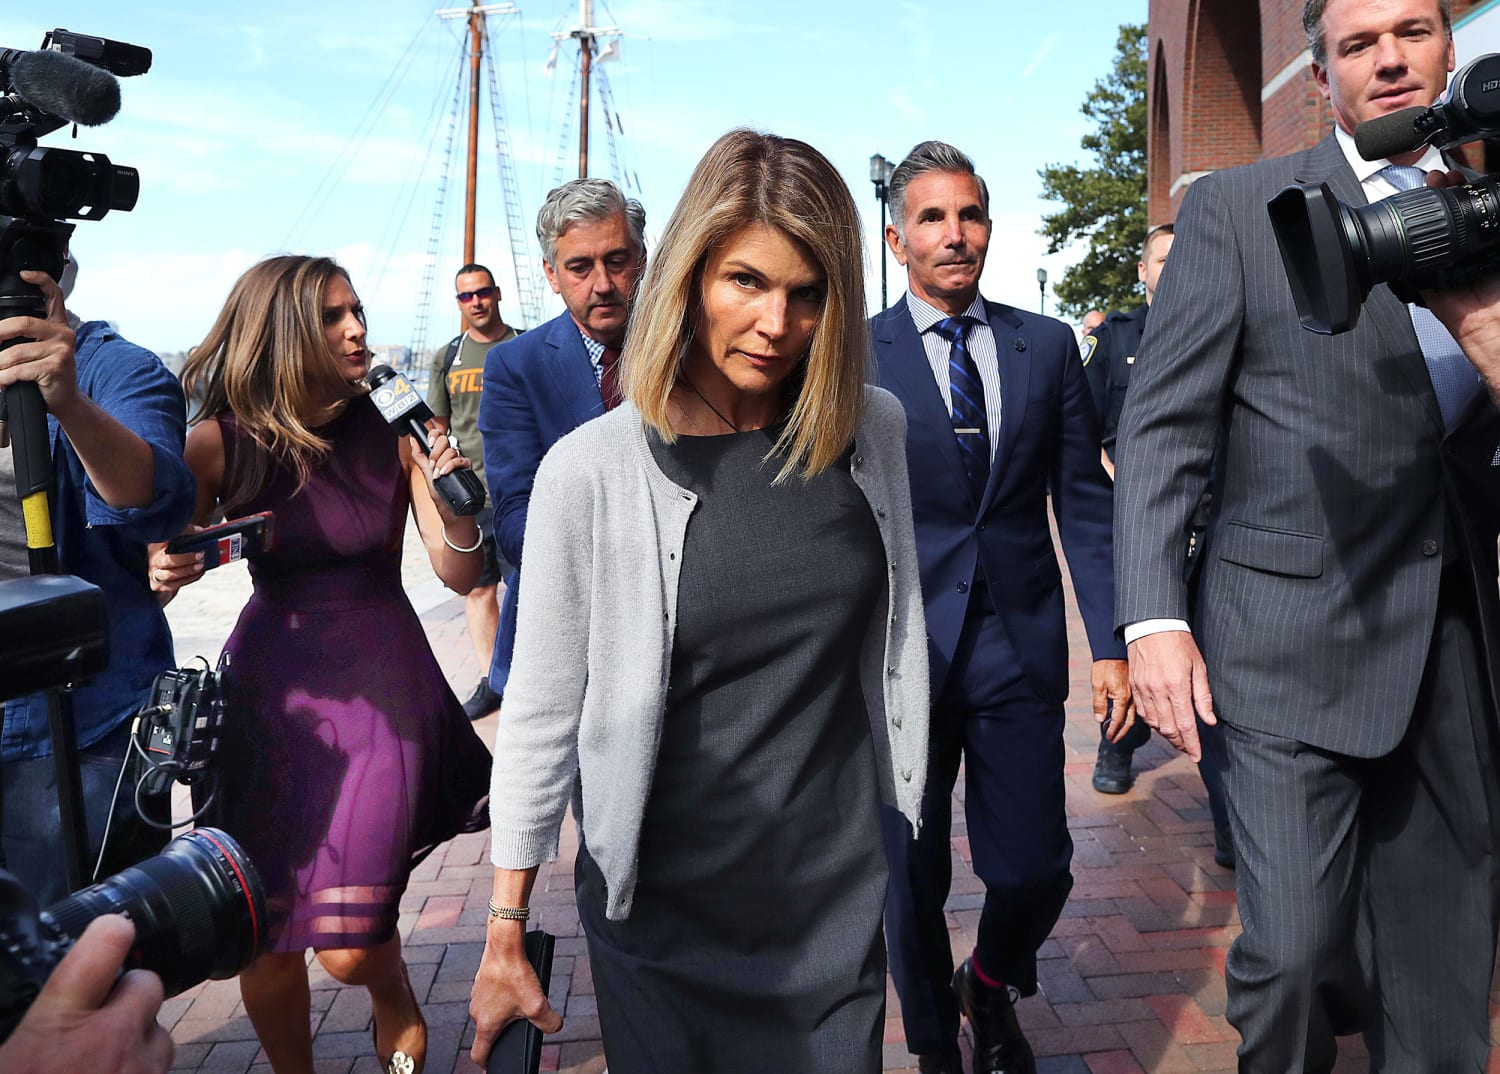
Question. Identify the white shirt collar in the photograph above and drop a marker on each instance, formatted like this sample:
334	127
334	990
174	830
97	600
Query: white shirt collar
1429	161
924	314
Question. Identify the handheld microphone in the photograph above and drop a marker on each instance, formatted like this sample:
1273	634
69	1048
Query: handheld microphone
65	87
406	413
1469	109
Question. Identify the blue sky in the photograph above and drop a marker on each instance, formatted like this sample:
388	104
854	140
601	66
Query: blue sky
257	129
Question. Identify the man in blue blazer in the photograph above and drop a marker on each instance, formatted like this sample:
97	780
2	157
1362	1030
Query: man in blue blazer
997	416
547	382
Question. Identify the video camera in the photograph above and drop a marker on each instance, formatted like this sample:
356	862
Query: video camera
1430	238
70	80
198	906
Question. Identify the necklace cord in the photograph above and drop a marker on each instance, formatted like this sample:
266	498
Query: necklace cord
700	395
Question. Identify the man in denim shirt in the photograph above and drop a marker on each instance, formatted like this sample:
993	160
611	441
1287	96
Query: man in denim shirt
116	422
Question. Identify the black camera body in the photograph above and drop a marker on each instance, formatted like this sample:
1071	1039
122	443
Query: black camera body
198	908
71	79
1427	239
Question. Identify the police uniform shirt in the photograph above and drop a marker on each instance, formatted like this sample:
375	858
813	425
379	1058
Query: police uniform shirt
1108	355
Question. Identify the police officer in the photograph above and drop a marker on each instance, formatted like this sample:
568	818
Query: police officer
1107	357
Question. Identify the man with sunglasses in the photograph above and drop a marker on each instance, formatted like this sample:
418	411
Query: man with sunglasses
453	393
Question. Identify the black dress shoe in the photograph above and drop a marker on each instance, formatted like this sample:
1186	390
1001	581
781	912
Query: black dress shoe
482	701
941	1063
999	1046
1112	770
1223	848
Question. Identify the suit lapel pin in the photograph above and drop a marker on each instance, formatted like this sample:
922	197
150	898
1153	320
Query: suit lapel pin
1020	344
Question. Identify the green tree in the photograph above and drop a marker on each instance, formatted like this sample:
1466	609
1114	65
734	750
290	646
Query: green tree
1105	205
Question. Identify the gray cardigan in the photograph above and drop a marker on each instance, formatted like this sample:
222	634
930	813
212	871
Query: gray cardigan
588	687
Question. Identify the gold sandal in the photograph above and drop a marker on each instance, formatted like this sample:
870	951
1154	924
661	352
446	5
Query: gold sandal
402	1062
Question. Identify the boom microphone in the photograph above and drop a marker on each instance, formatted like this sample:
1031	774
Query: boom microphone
407	415
68	88
1469	109
1390	135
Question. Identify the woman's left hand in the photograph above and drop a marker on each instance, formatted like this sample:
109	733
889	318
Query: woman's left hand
444	459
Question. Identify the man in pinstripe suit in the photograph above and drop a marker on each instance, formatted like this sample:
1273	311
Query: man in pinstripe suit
1346	601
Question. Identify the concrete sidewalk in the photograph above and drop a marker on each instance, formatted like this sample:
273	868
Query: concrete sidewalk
1132	977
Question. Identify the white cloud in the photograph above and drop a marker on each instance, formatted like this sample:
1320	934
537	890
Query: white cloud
1040	55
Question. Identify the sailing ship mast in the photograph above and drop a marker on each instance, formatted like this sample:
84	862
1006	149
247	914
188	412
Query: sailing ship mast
476	57
475	14
588	36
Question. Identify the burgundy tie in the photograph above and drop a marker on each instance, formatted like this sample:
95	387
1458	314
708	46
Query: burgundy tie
609	377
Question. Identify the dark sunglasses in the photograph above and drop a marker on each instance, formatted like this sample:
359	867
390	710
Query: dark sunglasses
483	292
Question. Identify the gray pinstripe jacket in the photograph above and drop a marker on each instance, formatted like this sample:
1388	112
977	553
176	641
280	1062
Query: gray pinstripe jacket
1342	498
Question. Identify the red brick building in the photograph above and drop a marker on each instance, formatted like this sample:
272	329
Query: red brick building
1230	81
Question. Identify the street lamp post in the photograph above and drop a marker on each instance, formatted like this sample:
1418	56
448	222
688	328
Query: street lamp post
880	175
1041	283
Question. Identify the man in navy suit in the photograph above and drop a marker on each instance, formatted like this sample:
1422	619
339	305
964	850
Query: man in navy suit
545	383
997	414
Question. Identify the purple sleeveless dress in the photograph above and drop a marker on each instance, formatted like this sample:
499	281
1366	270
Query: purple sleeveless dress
347	757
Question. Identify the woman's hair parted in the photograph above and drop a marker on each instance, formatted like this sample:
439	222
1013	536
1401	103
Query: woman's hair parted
747	178
264	360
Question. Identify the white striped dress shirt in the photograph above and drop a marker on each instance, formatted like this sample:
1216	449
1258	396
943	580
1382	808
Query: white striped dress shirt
981	344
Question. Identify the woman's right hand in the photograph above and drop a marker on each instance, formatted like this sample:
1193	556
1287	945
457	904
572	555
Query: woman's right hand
506	989
168	572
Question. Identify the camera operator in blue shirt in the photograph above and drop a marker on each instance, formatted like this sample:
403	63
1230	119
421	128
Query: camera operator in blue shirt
116	423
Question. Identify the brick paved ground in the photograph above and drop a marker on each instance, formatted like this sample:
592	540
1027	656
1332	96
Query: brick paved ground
1132	977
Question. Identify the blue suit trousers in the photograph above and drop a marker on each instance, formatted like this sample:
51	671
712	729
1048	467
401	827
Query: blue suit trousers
1010	743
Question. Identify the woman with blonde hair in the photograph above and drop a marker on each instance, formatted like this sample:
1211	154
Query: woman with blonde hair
720	654
346	757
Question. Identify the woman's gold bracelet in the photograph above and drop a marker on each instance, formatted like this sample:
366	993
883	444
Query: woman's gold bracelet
509	913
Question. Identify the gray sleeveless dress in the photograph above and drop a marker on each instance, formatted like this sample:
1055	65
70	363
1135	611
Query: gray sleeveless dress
754	942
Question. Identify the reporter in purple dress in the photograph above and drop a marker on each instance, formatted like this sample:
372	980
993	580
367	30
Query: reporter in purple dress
347	757
720	653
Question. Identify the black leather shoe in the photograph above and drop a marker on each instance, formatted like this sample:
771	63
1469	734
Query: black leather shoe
1223	848
1112	770
482	701
999	1046
941	1063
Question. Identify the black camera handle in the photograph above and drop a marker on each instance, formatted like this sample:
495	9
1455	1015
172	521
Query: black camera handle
27	244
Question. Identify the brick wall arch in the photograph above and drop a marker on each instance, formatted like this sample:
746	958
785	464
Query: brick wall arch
1159	144
1223	84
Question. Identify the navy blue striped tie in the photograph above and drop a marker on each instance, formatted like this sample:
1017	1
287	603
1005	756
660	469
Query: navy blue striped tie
970	425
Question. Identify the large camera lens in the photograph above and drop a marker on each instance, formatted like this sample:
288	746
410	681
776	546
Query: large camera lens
1416	234
64	183
198	909
1427	238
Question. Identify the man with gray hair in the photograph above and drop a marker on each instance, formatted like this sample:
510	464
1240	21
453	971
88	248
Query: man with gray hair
542	385
997	411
